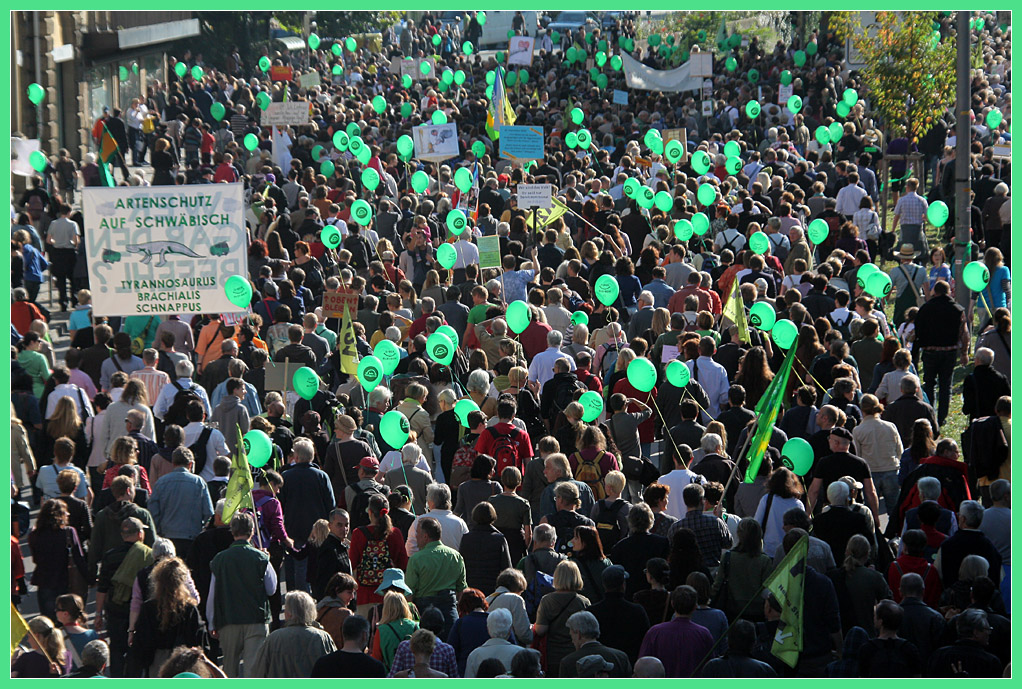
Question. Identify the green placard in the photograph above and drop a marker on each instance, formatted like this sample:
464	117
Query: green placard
489	252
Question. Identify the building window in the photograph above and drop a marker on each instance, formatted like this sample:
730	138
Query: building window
99	82
128	83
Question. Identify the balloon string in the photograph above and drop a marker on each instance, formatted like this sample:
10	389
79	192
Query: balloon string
667	432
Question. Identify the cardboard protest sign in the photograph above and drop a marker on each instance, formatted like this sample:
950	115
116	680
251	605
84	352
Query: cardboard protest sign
286	114
519	50
163	250
435	142
521	143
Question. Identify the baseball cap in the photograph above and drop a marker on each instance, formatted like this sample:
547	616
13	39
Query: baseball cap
614	576
369	463
841	432
852	483
590	665
132	525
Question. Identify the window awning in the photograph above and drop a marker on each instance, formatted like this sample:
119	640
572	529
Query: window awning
292	43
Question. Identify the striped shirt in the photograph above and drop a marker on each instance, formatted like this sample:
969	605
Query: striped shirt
153	380
911	209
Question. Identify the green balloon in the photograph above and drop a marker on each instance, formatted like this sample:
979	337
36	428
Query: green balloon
439	117
580	318
571	139
784	333
673	151
456	221
631	187
447	76
181	69
850	97
602	81
592	405
593	72
420	181
459	77
812	48
491	77
511	78
467	47
818	231
762	316
340	140
122	73
937	213
335	49
463	408
976	276
616	63
446	256
197	73
379	104
370	373
664	201
706	194
425	67
577	116
313	41
449	332
836	130
701	162
863	274
317	153
405	145
641	374
607	289
306	382
753	75
38	161
238	290
584	138
732	149
218	111
436	39
406	81
481	18
264	63
517	316
394	428
645	197
656	145
823	135
652	136
406	111
731	64
759	243
478	149
786	77
800	58
355	143
463	178
362	212
700	224
797	455
601	59
733	165
350	44
489	92
842	109
327	168
994	118
330	236
370	179
251	142
683	230
364	155
795	104
440	348
879	284
258	447
353	130
654	40
264	100
678	374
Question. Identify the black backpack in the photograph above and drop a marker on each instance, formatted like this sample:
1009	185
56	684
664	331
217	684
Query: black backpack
565	394
177	414
199	449
358	510
607	524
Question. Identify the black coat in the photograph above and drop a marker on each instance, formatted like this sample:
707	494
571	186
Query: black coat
486	555
623	624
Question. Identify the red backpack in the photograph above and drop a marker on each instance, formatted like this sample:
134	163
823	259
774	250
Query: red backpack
505	450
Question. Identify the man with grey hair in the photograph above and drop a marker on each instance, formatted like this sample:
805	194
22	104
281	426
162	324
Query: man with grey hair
238	607
983	387
412	472
94	659
838	522
557	317
184	370
542	367
904	411
779	243
969	540
293	650
642	319
996	524
498	626
307	495
180	502
968	656
584	629
649	667
438	500
544	556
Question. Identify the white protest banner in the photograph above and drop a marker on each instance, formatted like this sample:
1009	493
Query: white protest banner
413	67
163	250
309	80
784	93
701	64
285	114
535	195
519	50
644	78
435	142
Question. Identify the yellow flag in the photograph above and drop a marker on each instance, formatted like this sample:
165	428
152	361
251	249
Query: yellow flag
346	345
19	628
545	216
734	311
239	487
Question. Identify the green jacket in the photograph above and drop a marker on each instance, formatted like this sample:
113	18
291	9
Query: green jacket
240	595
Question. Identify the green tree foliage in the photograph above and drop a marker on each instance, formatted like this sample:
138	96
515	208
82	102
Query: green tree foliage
910	69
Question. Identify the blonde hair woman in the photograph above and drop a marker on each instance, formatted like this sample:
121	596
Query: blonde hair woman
554	610
22	460
112	426
48	656
169	618
396	625
125	451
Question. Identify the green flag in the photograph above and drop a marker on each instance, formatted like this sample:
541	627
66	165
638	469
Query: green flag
239	488
787	586
766	411
722	33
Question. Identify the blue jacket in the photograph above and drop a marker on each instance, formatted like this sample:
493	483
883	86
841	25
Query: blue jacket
180	504
307	495
34	263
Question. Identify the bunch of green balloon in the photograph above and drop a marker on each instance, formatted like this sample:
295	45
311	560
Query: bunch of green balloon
652	139
784	333
517	316
641	374
976	276
762	316
842	109
238	290
258	448
306	382
463	408
863	274
850	97
678	374
607	289
592	405
447	256
394	428
370	373
797	454
440	348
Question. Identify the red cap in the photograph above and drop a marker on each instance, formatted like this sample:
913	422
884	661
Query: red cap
369	463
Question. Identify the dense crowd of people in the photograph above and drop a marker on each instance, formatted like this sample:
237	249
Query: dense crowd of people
526	537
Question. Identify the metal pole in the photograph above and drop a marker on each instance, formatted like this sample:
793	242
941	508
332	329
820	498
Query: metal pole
963	177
